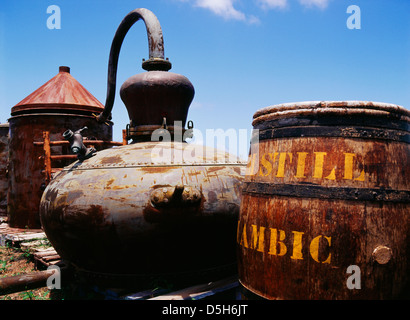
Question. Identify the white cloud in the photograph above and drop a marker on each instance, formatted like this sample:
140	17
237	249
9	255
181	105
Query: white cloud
318	3
272	4
226	9
253	20
223	8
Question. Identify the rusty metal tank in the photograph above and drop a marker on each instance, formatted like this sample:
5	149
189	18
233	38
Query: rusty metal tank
61	103
326	202
4	159
158	208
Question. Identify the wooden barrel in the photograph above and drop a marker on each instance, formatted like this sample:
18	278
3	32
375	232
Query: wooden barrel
325	202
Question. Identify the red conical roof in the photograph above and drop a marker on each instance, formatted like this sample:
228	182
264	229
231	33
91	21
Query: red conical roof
61	93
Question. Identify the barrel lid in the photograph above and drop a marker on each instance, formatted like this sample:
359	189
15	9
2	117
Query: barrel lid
335	108
61	93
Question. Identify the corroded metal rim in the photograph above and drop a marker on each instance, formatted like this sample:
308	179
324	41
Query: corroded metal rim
333	131
315	191
55	107
140	164
60	115
325	108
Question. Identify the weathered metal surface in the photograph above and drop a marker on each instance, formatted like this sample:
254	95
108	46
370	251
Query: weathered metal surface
146	209
62	92
163	209
152	96
314	204
60	104
4	159
156	51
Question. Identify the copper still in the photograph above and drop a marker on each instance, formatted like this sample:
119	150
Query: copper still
158	207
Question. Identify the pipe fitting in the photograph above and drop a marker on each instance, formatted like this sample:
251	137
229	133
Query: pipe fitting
156	59
77	145
179	195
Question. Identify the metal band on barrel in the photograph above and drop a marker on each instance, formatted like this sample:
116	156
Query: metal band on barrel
330	131
315	191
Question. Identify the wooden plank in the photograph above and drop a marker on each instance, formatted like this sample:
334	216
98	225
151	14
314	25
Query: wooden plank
45	254
86	142
200	291
25	236
52	257
47	156
64	157
34	244
39	250
124	137
48	262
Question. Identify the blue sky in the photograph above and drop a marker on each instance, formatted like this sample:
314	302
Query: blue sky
240	55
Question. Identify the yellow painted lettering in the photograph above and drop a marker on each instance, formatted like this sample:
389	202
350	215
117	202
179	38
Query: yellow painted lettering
266	164
297	245
274	242
361	177
251	168
244	242
300	169
319	161
258	238
349	168
281	165
314	249
332	175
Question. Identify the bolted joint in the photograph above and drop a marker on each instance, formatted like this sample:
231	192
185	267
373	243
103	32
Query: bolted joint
382	254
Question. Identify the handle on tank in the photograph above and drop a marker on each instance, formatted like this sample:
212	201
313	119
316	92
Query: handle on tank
156	59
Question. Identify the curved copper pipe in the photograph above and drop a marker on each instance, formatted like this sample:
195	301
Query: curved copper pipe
156	52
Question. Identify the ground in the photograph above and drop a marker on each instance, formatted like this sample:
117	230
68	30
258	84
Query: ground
15	261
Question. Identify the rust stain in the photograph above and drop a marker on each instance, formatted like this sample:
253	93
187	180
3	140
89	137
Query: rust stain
156	169
109	183
112	159
95	214
62	91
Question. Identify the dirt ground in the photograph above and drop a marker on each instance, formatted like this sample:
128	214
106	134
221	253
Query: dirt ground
15	261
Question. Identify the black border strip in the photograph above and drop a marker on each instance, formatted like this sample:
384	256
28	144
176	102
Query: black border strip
315	191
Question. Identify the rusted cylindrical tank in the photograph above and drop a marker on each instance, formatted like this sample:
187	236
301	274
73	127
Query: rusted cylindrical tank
58	105
137	211
156	209
4	159
326	202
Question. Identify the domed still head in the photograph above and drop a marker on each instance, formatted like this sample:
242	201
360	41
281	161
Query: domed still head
152	96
